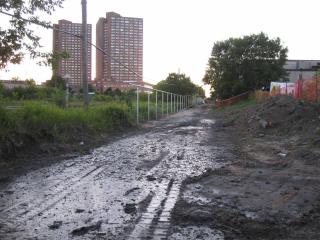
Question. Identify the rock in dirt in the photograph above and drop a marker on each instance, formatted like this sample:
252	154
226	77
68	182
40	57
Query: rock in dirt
55	225
264	124
180	157
281	154
200	214
84	230
131	190
78	210
151	178
130	208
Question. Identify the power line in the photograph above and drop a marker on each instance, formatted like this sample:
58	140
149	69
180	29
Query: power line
75	35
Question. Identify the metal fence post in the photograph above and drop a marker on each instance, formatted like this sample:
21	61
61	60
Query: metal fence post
137	105
167	104
148	106
171	102
183	102
177	103
161	103
174	103
156	105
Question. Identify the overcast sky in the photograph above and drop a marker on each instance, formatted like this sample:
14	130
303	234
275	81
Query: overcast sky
179	34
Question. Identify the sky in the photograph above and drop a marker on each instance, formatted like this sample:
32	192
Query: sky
179	34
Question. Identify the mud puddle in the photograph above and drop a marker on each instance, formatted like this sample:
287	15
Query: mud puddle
124	190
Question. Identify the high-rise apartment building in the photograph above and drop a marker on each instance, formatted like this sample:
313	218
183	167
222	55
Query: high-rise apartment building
64	42
121	39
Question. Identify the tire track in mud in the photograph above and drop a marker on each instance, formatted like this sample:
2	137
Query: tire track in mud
51	188
39	207
146	162
155	221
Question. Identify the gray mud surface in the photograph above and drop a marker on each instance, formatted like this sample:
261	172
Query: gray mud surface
271	189
199	174
125	189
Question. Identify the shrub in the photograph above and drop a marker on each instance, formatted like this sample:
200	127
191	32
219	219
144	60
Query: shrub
261	96
35	123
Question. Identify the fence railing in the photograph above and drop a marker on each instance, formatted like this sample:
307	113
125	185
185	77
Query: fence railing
306	89
140	104
153	103
232	100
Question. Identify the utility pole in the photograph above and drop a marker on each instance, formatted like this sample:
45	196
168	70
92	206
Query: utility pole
85	54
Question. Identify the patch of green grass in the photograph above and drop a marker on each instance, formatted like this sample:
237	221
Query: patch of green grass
35	122
240	105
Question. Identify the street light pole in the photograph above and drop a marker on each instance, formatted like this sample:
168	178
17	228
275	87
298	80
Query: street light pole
85	54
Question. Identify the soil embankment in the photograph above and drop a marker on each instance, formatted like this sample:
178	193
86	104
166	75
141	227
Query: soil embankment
271	189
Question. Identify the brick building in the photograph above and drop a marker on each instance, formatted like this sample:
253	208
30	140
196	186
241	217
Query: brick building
73	46
121	38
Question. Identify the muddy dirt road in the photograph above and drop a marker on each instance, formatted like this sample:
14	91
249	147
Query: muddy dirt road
270	189
123	190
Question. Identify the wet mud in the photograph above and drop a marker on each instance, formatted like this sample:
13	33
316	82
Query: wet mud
126	189
270	190
195	175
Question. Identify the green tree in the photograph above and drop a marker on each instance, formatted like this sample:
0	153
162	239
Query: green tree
2	90
201	92
56	81
242	64
108	92
19	36
53	59
91	88
179	84
117	92
31	82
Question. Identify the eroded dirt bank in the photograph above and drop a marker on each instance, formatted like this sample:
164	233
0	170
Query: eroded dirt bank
270	190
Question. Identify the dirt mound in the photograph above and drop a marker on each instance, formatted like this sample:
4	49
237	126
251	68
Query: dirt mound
270	189
278	115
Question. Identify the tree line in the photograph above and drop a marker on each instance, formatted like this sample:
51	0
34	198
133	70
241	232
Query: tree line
236	65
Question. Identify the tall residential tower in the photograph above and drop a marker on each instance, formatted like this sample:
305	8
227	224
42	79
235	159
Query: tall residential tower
65	41
121	62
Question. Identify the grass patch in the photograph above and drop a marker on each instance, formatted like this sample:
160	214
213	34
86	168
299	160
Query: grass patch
238	106
35	123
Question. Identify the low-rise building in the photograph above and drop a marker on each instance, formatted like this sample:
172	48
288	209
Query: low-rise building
301	69
11	84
